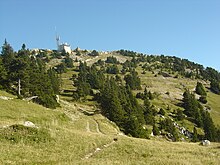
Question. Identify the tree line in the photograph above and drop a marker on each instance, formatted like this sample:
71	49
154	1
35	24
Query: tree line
25	75
174	64
120	105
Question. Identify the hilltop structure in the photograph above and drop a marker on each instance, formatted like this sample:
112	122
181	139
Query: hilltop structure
63	46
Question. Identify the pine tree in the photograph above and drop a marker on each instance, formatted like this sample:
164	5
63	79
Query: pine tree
133	80
180	115
209	127
148	112
162	112
195	135
200	90
215	87
110	102
3	75
54	80
68	62
156	130
8	55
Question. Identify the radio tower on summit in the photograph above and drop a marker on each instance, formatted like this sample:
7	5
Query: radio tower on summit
63	46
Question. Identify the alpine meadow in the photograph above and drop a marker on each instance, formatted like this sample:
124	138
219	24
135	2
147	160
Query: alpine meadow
115	107
110	82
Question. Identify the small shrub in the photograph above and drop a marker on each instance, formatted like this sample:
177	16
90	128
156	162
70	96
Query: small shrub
180	115
203	99
162	112
167	93
20	133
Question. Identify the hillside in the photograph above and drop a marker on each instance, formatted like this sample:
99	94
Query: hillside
168	88
75	136
78	129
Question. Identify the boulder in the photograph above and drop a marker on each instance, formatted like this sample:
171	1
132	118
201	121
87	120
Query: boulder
205	142
29	124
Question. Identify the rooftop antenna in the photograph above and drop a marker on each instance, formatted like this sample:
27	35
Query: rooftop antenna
57	38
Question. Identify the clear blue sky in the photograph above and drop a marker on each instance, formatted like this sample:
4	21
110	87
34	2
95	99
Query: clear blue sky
184	28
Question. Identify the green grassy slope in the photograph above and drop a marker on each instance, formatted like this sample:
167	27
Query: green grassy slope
80	136
76	134
213	102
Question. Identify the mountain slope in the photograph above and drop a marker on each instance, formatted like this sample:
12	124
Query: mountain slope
77	132
77	142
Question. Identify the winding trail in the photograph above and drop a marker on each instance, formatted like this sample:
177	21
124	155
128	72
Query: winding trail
98	149
87	127
97	127
5	98
68	110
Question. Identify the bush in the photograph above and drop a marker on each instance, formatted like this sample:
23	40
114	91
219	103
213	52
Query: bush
180	115
94	53
162	112
20	133
203	99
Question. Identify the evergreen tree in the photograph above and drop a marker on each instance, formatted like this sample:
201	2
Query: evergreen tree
203	99
133	80
54	80
3	75
168	126
110	102
180	115
156	130
200	90
192	107
68	62
148	112
7	54
112	69
195	135
215	87
94	53
95	77
162	112
112	60
209	127
61	68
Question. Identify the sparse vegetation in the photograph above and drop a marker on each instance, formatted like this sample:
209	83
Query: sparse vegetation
70	132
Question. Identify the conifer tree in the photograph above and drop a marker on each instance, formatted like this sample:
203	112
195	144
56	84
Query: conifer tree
200	90
195	135
148	112
68	61
7	54
209	127
156	130
214	86
133	80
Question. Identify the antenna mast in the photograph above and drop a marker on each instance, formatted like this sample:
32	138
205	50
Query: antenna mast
57	39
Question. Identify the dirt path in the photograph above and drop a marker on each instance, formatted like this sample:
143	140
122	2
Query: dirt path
97	127
98	149
69	110
5	98
87	127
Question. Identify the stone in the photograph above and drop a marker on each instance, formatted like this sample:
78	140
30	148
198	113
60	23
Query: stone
29	124
205	142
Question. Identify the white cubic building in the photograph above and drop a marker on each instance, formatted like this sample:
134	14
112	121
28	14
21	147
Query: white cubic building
63	47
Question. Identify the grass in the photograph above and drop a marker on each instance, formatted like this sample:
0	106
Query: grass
66	82
213	102
139	151
71	141
73	134
27	135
